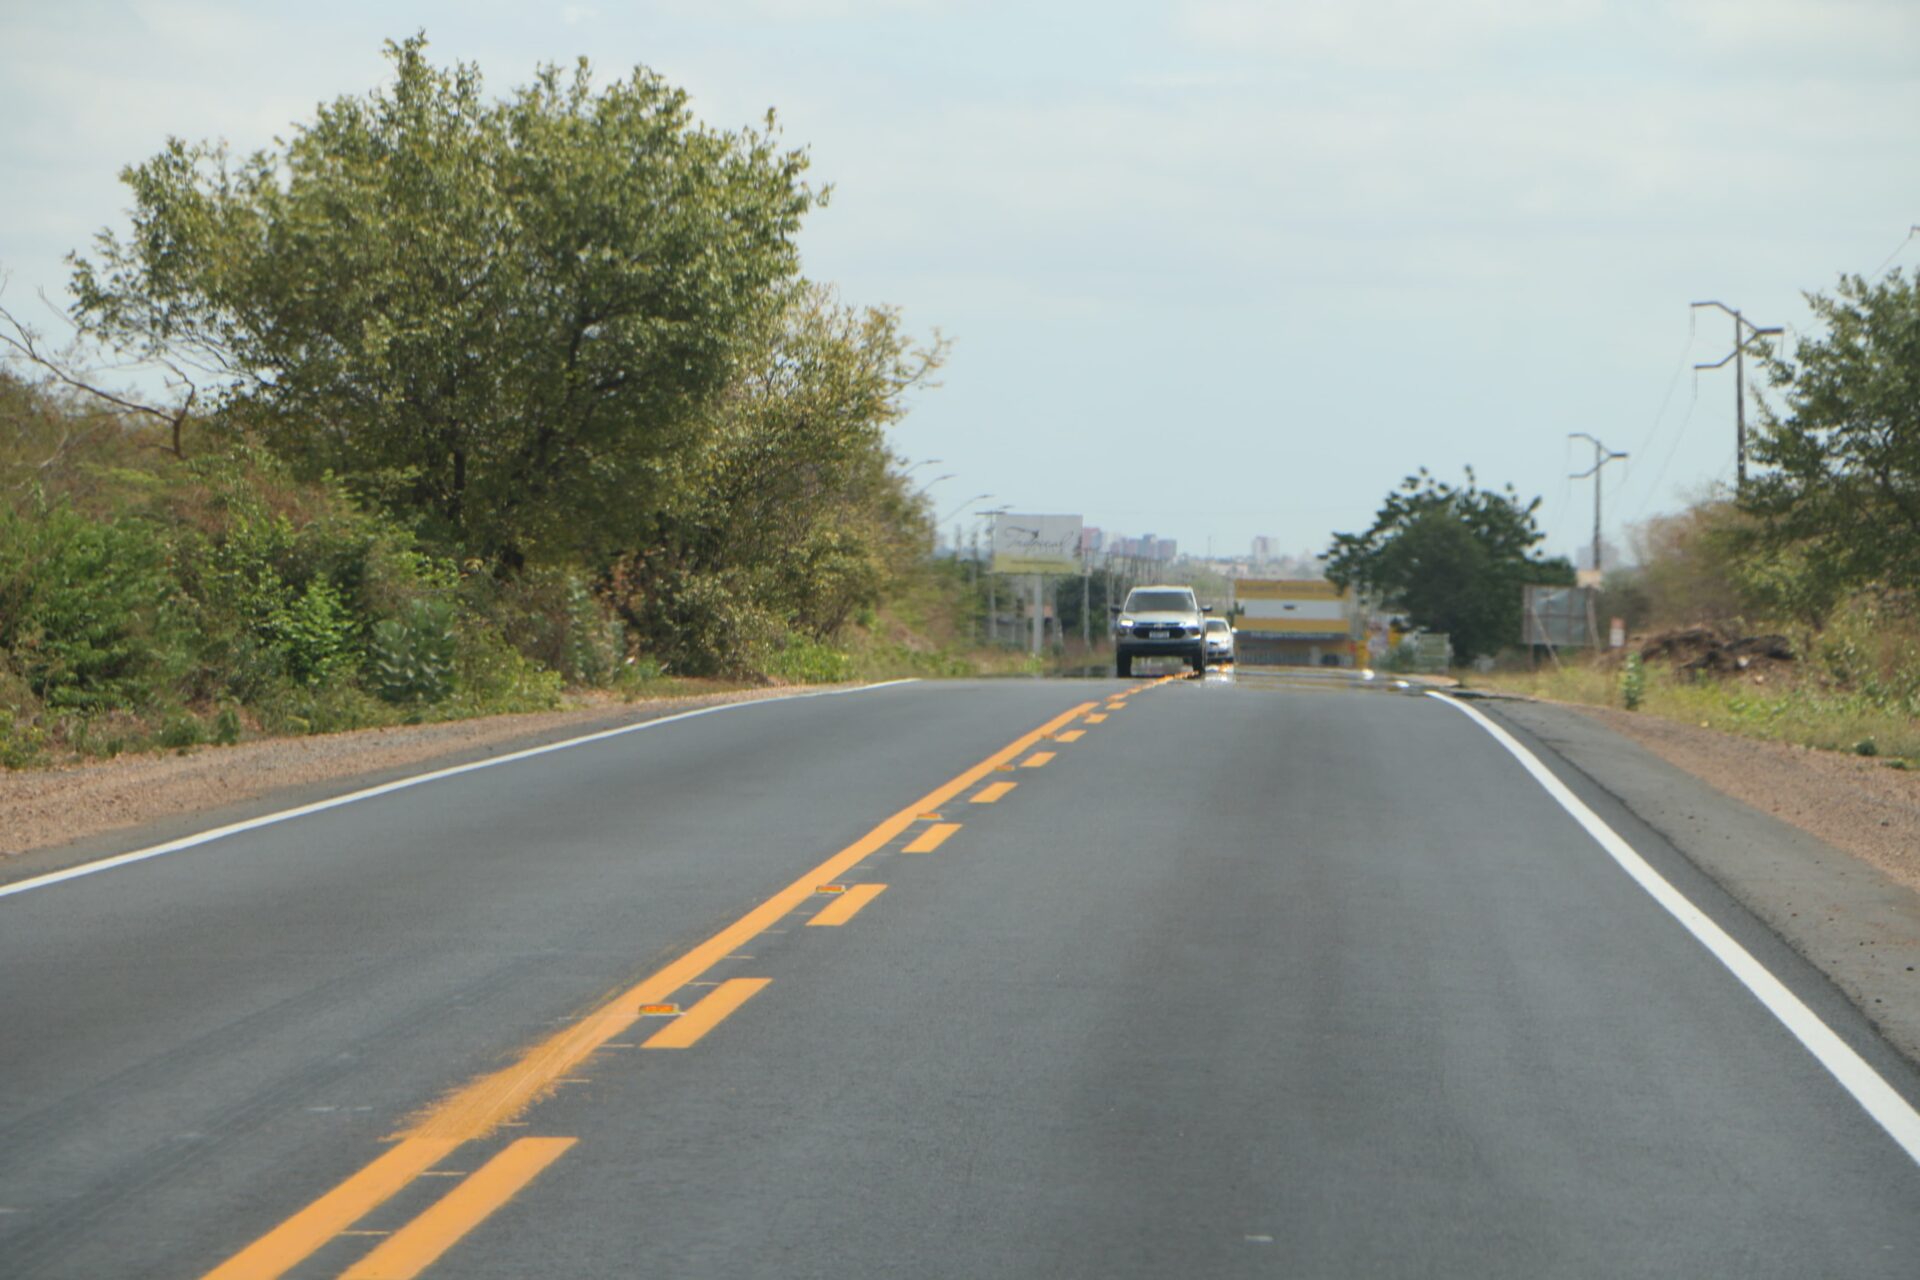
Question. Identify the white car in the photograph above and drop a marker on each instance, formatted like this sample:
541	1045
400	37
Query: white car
1219	642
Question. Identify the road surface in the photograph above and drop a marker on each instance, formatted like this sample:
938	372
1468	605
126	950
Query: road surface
1244	976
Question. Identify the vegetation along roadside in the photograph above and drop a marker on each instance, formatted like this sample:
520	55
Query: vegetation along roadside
470	400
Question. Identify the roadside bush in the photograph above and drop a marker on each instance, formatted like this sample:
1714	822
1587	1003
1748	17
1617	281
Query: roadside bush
334	708
492	677
1870	646
315	634
551	616
89	614
803	660
1687	566
1633	682
701	624
410	659
181	730
23	743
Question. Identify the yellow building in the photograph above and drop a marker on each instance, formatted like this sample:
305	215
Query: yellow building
1295	622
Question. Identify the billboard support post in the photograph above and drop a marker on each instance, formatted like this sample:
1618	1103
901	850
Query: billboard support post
1039	609
1036	545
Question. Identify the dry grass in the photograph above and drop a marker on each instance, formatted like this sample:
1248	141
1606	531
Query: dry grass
1766	707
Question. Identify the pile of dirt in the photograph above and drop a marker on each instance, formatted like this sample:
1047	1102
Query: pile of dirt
1703	650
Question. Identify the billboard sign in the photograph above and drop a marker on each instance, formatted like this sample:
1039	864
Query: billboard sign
1557	616
1036	544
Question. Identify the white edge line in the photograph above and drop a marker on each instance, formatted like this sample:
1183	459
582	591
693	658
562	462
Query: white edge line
1892	1112
401	784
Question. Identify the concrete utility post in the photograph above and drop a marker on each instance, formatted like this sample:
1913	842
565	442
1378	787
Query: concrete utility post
993	579
1744	331
1086	600
1039	622
1601	457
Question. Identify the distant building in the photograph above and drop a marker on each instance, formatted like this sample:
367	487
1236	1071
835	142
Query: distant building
1306	622
1266	548
1145	547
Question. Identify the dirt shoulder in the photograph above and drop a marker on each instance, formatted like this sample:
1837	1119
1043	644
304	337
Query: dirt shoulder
1856	804
50	818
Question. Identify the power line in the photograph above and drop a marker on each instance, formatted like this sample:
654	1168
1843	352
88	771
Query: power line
1744	331
1898	249
1666	402
1693	403
1601	457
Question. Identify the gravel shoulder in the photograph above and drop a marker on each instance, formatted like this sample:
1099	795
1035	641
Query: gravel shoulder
60	817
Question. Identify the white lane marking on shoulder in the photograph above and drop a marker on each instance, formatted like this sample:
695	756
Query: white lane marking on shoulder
1891	1111
401	784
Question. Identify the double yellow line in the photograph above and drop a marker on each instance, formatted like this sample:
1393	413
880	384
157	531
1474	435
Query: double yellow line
482	1106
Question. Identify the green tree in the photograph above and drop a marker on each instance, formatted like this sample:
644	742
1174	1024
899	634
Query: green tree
1840	507
500	317
790	516
1452	559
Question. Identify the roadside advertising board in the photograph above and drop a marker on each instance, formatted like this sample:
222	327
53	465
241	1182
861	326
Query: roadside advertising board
1558	616
1036	544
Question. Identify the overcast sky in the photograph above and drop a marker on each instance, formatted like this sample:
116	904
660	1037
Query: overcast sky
1212	268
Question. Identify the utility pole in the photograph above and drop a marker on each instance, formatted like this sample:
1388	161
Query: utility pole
1601	457
1086	600
993	595
1744	331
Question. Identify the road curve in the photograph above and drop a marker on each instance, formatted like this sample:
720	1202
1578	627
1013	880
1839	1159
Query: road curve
1236	976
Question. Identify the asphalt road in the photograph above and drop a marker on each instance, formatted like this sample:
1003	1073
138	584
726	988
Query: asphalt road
1245	977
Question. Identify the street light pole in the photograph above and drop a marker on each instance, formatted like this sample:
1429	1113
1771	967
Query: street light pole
1744	331
993	595
1601	457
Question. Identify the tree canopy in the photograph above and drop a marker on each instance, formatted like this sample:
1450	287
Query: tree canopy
496	317
1842	496
1452	558
788	516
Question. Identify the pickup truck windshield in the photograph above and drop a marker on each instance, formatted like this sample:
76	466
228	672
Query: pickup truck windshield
1160	602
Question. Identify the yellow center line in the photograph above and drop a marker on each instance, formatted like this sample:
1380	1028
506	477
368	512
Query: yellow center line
992	792
1071	735
493	1100
932	838
1096	718
1036	760
415	1247
844	907
685	1031
335	1211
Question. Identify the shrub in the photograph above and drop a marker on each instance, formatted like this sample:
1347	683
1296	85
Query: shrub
410	659
181	730
803	660
1633	682
314	632
491	676
551	616
22	745
89	613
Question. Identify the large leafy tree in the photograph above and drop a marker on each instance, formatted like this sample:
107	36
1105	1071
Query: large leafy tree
499	316
789	516
1842	497
1454	559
